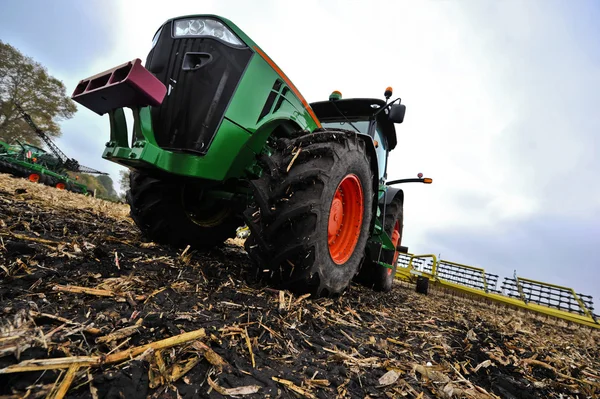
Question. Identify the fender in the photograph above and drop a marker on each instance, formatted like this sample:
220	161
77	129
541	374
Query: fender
391	193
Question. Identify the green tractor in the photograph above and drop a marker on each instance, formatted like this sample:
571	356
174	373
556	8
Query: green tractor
37	165
222	138
50	168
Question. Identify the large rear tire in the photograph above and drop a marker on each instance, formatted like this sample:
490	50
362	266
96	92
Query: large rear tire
159	209
372	274
314	206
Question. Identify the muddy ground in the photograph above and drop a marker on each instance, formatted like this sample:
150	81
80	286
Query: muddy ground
251	341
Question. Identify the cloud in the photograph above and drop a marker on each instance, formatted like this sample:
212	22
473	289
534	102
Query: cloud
529	203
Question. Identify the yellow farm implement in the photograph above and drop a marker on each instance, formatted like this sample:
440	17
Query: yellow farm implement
549	299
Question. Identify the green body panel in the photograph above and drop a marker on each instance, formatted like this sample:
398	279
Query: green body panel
255	87
144	153
378	235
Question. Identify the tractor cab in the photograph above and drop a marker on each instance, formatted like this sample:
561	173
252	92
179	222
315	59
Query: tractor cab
370	116
31	148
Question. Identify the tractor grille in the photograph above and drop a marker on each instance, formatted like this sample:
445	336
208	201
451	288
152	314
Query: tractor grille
196	100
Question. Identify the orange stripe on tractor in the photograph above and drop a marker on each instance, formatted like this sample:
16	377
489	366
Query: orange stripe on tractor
290	84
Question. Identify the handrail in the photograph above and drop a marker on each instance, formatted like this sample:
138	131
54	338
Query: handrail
477	269
433	257
543	292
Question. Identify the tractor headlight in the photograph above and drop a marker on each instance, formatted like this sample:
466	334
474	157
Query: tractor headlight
198	27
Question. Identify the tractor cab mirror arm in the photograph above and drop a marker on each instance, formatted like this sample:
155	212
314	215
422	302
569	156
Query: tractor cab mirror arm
397	112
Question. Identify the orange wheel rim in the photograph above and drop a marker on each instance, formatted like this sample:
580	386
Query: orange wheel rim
60	186
395	241
345	219
34	178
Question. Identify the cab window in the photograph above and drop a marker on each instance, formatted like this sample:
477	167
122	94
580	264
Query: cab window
362	126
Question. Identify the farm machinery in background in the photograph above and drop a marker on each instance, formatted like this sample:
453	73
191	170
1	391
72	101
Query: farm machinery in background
222	138
40	166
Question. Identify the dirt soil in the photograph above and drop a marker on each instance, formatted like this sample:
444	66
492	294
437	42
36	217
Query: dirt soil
249	340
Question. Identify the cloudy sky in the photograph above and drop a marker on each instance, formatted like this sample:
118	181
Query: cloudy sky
502	104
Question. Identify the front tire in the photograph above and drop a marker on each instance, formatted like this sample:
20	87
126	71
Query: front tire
314	208
159	209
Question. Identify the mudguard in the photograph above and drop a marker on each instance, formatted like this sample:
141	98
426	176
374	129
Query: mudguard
391	193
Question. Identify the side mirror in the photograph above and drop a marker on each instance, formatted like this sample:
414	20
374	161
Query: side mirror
397	112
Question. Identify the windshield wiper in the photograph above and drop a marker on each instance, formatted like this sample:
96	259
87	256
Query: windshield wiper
344	116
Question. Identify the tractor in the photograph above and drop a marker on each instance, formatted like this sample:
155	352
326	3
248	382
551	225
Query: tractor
50	168
222	138
37	165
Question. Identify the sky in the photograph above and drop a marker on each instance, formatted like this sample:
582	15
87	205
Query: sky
501	106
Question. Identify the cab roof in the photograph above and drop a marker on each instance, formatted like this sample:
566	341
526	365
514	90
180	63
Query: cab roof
356	109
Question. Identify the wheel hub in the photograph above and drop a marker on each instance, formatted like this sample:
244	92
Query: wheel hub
345	219
203	210
335	215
